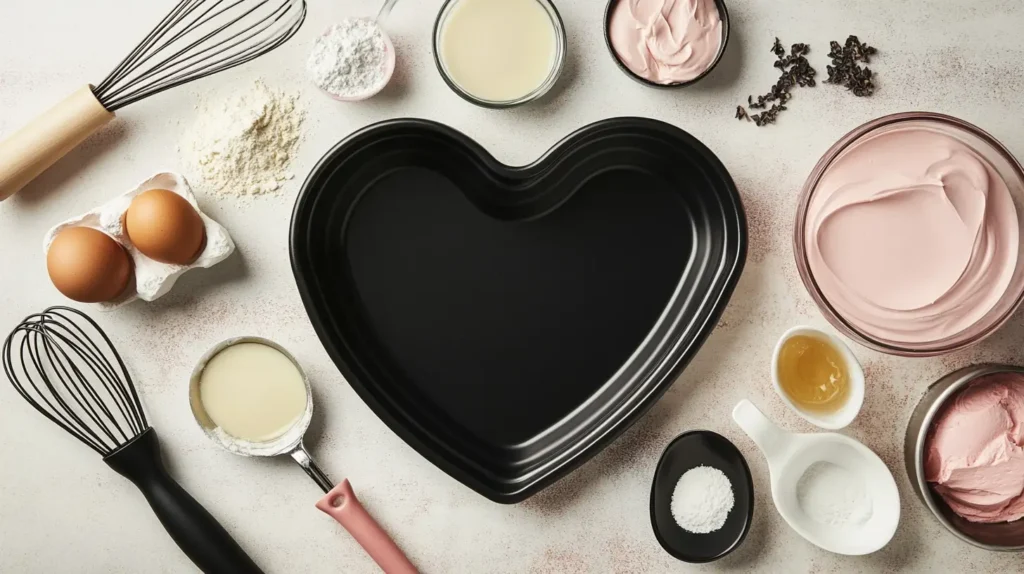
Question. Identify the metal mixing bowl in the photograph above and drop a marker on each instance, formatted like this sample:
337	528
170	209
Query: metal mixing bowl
999	536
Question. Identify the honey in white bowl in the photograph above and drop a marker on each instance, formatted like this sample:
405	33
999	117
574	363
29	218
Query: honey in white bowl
813	374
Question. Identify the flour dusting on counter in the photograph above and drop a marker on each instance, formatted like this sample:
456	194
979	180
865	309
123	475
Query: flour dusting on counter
244	145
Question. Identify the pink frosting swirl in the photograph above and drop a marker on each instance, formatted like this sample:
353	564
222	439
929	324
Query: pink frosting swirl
666	41
974	453
911	235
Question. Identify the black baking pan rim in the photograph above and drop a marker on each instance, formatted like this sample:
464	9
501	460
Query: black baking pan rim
505	488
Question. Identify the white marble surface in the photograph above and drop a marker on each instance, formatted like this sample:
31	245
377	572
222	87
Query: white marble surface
63	510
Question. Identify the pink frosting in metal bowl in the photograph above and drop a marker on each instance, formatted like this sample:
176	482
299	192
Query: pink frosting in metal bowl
911	235
974	454
666	41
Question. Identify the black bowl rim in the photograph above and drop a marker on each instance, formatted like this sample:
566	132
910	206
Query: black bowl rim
724	14
428	446
750	495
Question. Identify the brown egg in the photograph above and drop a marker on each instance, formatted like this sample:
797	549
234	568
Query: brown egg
164	226
87	265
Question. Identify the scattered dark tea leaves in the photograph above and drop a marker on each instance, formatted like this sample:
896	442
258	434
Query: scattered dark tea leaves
845	70
777	49
796	71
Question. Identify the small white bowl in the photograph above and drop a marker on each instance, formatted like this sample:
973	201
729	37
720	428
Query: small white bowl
855	400
389	68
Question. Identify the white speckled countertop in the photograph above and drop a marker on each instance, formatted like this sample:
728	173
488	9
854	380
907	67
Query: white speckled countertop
63	510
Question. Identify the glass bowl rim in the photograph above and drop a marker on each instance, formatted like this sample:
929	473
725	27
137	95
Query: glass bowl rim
950	344
561	47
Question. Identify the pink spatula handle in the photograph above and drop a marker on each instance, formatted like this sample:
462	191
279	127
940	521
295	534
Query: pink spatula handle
342	505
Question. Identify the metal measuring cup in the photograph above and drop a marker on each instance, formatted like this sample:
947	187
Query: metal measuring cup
340	502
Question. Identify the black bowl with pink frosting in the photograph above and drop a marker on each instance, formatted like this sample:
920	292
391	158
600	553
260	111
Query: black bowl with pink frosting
671	45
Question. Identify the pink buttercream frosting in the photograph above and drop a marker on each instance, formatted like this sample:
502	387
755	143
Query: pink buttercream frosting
911	235
974	454
666	41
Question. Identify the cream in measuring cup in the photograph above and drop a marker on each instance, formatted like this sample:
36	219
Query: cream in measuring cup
252	392
251	397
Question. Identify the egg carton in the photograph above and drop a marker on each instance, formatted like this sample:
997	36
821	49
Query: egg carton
152	279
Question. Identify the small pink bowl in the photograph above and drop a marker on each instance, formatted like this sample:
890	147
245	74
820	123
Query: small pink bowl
389	70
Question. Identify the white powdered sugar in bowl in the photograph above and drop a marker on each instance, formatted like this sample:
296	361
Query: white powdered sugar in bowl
352	60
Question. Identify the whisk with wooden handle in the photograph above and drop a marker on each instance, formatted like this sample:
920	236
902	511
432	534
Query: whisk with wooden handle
65	366
196	39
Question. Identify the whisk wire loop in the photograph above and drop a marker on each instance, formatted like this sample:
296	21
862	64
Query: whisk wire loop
155	35
41	400
65	366
172	65
196	39
102	372
61	364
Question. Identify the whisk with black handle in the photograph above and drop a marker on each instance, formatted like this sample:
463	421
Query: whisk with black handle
196	39
65	366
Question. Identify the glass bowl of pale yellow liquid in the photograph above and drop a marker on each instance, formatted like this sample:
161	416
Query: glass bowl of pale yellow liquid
499	53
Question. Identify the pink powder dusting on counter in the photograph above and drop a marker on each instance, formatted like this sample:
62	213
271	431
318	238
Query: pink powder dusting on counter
975	456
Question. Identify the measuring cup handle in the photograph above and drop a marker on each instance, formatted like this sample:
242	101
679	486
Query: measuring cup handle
768	437
342	505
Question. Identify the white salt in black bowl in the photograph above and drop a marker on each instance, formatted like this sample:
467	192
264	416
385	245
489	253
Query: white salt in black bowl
688	451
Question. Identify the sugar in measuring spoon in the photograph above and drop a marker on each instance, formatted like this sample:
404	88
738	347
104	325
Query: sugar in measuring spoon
251	397
822	456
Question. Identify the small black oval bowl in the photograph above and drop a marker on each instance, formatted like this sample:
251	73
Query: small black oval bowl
723	14
687	451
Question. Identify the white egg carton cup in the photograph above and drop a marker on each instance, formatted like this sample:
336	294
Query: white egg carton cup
152	279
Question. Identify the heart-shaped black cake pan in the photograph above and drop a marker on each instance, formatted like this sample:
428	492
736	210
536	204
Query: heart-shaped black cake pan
509	322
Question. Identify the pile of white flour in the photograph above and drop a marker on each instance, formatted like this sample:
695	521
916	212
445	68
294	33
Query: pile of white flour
350	59
243	146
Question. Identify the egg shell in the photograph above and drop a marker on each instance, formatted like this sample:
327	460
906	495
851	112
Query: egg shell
153	279
164	227
87	265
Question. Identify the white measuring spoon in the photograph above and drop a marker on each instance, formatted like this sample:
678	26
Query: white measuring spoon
791	455
339	502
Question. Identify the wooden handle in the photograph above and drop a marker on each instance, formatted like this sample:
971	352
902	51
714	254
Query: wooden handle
37	146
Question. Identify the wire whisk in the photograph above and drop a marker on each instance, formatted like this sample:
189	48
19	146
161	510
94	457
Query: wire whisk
65	366
196	39
199	38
